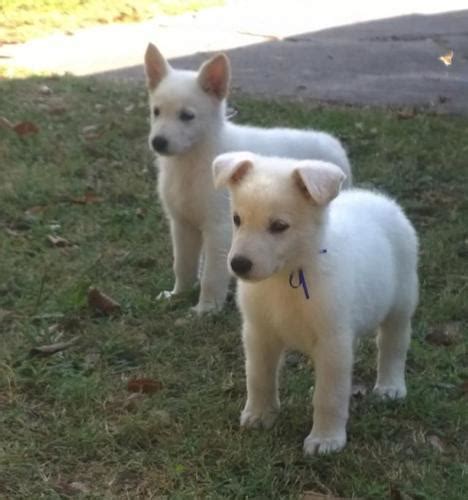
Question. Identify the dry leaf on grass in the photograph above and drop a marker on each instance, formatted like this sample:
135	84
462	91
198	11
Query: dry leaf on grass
447	59
25	128
47	350
101	302
88	198
21	128
144	385
58	241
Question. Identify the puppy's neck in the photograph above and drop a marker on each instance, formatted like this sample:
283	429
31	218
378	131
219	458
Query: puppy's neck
310	256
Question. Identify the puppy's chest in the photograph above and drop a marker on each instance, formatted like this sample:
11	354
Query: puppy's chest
287	313
185	192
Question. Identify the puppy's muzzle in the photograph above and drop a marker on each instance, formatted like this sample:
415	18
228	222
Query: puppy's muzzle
241	265
160	144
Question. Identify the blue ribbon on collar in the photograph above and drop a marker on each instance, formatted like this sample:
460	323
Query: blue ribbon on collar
302	281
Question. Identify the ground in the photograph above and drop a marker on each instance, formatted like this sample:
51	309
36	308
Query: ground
70	426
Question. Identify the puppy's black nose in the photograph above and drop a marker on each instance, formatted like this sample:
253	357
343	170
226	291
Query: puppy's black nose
241	265
160	144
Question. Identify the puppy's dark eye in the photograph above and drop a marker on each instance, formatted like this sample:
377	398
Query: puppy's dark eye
185	115
236	220
278	226
155	112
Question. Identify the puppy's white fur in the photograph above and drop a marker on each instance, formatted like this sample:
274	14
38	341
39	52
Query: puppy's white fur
286	216
188	118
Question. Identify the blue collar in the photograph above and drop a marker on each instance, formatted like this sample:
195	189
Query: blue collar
302	281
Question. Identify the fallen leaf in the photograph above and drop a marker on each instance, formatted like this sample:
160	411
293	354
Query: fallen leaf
447	59
47	350
25	128
58	241
444	335
102	302
87	199
144	385
436	442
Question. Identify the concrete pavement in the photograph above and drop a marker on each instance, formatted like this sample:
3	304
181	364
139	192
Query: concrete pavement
361	53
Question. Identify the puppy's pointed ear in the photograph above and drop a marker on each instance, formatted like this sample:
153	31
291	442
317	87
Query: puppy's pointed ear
231	168
318	181
214	76
156	67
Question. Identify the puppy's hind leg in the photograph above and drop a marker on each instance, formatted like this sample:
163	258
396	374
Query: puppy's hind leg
186	247
392	341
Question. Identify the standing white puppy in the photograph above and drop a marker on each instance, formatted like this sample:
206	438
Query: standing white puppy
188	129
317	271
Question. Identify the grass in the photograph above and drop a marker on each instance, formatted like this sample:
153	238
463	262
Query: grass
22	20
69	426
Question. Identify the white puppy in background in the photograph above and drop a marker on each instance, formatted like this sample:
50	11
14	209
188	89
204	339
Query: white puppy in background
317	271
188	129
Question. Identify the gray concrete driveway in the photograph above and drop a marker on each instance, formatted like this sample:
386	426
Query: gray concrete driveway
359	53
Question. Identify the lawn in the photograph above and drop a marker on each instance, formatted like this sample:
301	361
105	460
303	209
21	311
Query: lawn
21	20
78	209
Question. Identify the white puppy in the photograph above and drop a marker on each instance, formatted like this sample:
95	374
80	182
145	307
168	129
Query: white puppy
317	271
188	129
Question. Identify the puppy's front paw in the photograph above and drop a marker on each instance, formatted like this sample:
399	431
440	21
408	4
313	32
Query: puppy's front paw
395	391
322	445
256	419
165	294
205	307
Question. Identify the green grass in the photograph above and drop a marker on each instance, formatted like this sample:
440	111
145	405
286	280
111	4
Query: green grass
69	427
21	20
